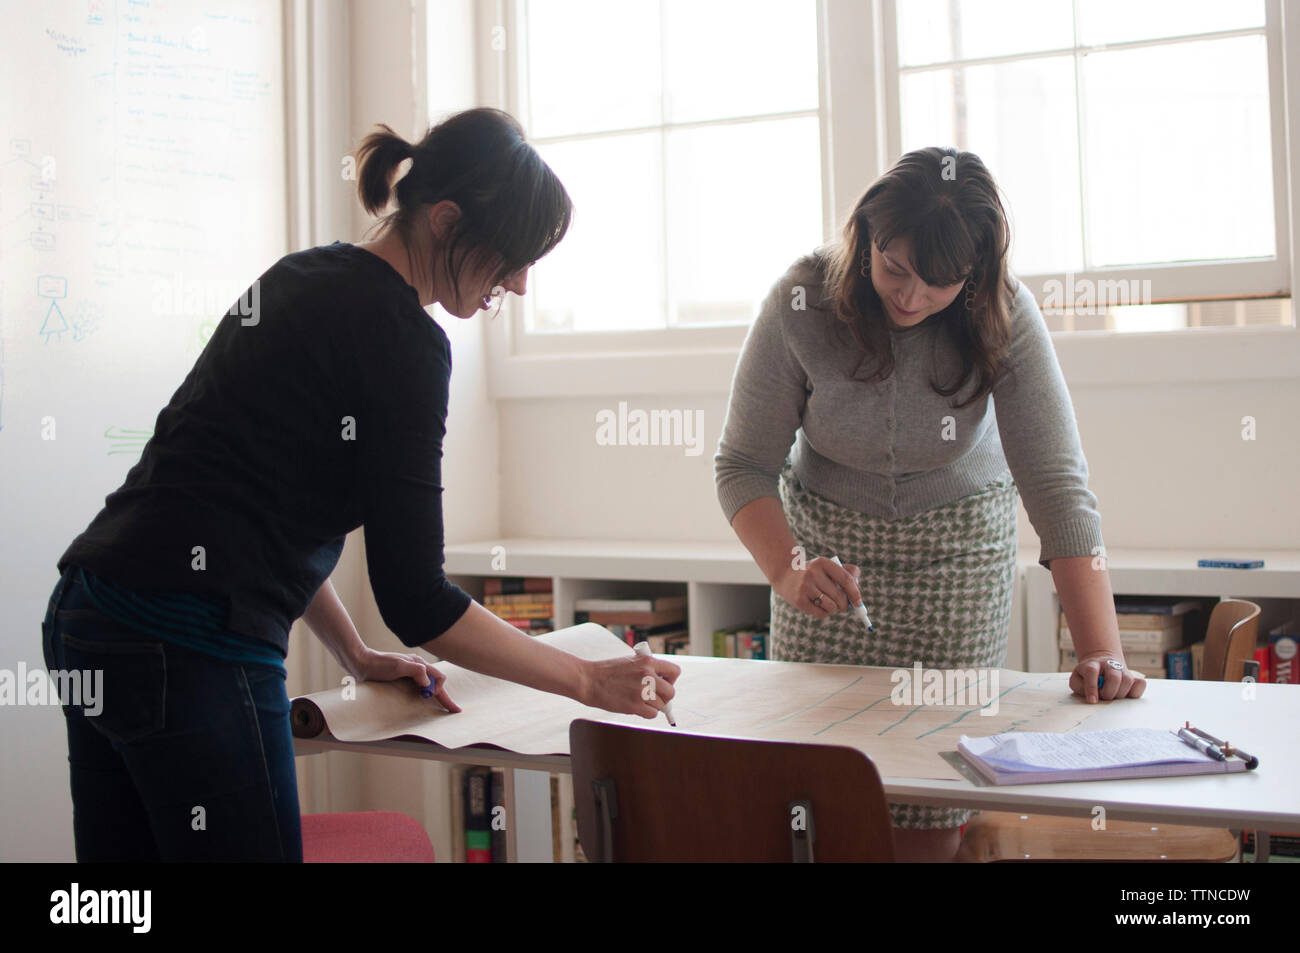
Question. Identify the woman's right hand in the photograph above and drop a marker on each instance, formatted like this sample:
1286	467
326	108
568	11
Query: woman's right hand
631	685
821	588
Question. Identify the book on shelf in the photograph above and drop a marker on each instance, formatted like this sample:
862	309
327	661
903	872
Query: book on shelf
1264	657
531	612
1136	640
496	820
533	626
1128	619
742	641
1147	611
523	600
655	635
499	585
557	840
1178	664
677	643
478	815
630	603
608	618
520	612
1280	845
1282	661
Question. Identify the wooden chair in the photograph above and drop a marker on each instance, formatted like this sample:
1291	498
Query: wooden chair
364	837
1010	836
647	795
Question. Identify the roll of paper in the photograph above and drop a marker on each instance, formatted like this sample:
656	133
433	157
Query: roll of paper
306	717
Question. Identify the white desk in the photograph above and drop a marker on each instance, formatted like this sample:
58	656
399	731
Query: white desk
1265	799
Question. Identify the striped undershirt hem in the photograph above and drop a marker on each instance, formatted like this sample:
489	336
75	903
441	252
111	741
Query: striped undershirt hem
181	619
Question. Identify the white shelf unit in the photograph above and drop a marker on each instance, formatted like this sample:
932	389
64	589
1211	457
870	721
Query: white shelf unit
721	583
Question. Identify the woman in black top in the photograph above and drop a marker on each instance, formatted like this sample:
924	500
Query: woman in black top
318	405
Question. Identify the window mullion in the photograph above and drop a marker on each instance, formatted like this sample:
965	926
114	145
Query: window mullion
663	161
893	84
1080	123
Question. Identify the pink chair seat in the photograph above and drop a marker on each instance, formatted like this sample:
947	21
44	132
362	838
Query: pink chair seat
364	837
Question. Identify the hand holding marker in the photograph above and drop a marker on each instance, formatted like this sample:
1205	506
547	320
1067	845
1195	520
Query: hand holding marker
860	610
643	649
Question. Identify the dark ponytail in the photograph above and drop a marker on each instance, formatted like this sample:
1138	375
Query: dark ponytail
513	207
379	154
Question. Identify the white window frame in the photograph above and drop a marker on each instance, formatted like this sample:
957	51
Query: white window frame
859	139
1192	281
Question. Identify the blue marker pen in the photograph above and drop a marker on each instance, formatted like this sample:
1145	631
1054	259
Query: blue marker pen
860	610
426	691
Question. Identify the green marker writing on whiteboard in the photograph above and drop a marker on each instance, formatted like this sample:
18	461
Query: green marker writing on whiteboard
860	610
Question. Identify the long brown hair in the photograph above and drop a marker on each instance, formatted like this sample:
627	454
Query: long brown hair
512	205
948	205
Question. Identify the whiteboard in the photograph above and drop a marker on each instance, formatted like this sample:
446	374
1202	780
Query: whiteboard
142	189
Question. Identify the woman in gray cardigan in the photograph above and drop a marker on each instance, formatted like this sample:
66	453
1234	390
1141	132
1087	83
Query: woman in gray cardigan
916	381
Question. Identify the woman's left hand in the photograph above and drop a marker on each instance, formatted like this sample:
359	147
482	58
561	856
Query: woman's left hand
1121	681
390	666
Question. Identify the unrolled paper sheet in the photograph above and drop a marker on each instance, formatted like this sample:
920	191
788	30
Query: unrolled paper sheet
845	705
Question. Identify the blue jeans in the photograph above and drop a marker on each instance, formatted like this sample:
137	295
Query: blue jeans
182	757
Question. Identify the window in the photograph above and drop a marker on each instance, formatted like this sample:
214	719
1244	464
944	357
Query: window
688	133
1139	144
1142	146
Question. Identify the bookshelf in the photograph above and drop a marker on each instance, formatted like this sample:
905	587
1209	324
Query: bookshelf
1167	572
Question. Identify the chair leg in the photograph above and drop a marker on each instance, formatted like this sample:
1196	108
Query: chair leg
606	810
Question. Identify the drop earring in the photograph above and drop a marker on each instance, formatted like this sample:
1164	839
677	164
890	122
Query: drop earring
865	269
970	293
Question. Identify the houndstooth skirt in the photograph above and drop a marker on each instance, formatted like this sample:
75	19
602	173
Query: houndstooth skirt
938	587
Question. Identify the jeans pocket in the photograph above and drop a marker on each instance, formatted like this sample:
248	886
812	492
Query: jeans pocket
122	680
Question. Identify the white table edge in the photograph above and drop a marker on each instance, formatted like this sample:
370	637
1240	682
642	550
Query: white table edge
934	792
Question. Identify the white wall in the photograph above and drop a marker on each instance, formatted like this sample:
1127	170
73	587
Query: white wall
1167	463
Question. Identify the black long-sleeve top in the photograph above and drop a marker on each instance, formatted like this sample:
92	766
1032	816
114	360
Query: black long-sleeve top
321	410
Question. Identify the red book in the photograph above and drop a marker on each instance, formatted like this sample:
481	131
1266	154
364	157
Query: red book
1262	657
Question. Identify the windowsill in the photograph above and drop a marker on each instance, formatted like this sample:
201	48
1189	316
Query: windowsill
1087	358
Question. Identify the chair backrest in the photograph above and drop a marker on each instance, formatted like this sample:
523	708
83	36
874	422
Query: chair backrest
1229	640
643	794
